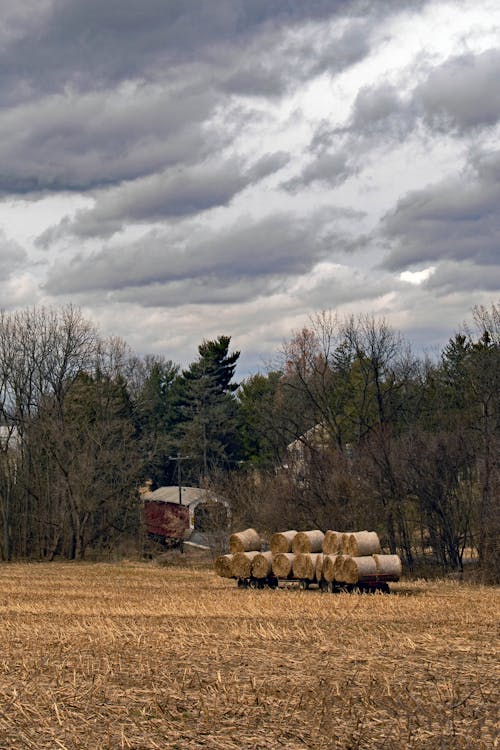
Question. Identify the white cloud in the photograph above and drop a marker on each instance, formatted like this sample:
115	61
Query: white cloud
417	277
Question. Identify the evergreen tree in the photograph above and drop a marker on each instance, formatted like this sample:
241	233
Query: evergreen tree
262	437
208	408
157	414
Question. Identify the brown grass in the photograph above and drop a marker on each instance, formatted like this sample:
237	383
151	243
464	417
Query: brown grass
143	657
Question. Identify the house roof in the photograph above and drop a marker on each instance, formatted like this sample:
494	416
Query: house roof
317	437
189	495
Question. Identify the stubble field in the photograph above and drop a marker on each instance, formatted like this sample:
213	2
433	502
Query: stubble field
144	657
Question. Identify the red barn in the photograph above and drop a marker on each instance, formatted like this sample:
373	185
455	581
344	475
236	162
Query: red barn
169	521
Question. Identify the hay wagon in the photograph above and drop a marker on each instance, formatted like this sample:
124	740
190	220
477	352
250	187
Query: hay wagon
331	562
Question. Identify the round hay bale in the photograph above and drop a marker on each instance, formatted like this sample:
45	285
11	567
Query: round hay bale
262	565
304	565
223	566
389	567
328	571
358	569
332	543
361	543
282	541
308	541
338	568
245	541
318	572
282	564
241	565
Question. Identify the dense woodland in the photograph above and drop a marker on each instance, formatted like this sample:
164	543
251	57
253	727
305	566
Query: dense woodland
348	430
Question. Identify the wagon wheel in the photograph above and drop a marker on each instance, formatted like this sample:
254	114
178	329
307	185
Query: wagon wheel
303	585
326	587
272	582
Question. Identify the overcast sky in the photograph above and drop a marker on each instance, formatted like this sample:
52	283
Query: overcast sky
182	169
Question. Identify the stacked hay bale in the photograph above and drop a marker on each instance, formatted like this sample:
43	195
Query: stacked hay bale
330	565
282	541
304	566
282	565
332	559
389	567
308	541
361	543
223	566
245	541
245	549
332	543
356	558
241	564
262	565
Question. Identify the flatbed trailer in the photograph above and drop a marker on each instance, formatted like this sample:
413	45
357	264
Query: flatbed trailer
369	586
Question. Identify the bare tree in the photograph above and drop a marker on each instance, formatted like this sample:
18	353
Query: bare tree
64	479
483	373
357	380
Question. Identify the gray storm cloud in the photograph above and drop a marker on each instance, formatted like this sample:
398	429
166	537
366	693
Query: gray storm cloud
222	152
172	194
96	93
66	142
459	96
275	247
464	92
455	219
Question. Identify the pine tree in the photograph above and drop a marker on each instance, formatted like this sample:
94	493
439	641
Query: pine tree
208	428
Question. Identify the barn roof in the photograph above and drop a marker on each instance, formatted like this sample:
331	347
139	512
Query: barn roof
189	495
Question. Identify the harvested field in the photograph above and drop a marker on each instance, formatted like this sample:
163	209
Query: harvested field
144	657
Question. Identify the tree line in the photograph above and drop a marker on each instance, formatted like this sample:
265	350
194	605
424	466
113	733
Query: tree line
348	429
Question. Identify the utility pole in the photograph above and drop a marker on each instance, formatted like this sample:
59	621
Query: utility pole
179	458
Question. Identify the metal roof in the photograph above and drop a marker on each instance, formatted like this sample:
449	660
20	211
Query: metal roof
189	495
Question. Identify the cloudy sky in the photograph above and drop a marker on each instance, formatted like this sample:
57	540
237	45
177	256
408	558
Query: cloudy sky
182	169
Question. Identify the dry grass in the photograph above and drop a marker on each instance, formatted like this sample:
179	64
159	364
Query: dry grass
137	656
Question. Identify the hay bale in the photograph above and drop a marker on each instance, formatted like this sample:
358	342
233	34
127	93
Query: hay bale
308	541
245	541
332	543
223	566
262	565
282	564
389	567
282	541
241	565
318	573
328	571
304	565
338	568
359	569
361	543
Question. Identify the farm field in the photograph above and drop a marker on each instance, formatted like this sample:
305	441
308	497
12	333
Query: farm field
111	656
